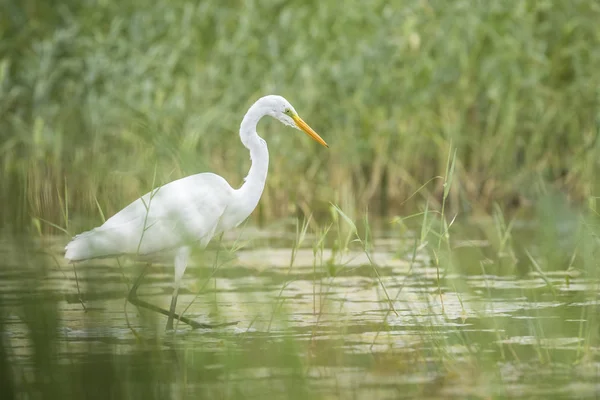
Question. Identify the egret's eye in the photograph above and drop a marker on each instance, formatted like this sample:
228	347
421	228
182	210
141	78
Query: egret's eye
287	111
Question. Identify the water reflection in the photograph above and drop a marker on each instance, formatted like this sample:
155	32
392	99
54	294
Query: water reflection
322	325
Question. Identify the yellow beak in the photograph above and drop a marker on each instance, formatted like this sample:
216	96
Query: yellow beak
308	130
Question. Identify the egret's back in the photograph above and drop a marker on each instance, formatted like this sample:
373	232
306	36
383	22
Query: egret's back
183	211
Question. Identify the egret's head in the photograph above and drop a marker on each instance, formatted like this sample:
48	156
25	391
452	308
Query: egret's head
282	110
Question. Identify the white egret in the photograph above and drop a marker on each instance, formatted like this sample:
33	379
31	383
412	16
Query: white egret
188	211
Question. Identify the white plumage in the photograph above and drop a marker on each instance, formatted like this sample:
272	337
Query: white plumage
186	210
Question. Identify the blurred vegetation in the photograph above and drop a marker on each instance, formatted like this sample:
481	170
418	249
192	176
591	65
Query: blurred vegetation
95	94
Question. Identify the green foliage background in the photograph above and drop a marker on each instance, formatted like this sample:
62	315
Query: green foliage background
94	95
430	107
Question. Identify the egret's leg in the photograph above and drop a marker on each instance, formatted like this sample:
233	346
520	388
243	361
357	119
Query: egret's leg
133	299
172	308
181	260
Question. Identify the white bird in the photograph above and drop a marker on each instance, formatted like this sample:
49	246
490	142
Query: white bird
188	211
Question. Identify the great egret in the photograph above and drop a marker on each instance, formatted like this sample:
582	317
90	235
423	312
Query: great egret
190	210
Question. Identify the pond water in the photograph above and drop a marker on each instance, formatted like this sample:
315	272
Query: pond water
328	325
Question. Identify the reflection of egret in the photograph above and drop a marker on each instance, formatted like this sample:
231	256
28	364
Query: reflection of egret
189	210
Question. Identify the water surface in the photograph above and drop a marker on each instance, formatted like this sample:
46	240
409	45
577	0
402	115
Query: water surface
331	325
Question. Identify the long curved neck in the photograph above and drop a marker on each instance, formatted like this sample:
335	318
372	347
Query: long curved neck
254	183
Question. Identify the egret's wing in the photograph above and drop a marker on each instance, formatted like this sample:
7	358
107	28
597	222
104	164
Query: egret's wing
179	212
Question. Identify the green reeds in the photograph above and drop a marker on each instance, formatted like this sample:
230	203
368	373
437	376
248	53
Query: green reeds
93	96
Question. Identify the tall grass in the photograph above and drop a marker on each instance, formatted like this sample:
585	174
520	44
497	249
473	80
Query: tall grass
431	108
94	95
462	330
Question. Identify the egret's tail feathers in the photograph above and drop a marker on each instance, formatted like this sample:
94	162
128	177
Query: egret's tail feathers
91	244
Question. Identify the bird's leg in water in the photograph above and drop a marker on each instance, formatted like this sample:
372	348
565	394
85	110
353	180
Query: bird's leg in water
172	313
181	260
133	299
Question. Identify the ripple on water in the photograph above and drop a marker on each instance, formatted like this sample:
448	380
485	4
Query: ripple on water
335	316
